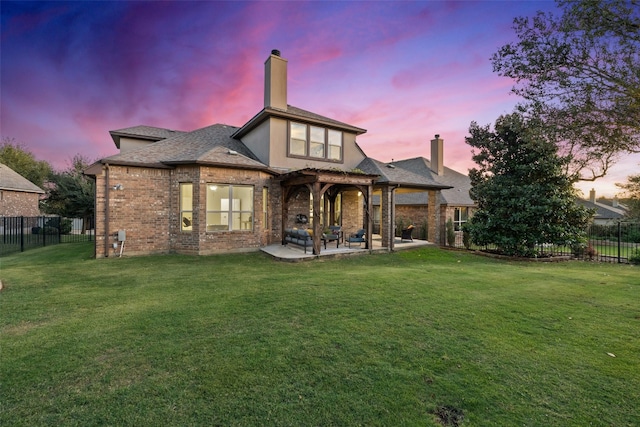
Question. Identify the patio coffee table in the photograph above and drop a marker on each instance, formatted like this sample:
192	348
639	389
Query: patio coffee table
331	238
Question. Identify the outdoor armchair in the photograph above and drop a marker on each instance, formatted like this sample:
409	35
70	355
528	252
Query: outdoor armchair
357	237
406	233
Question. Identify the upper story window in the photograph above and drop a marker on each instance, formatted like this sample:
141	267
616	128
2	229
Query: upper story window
314	142
298	139
335	144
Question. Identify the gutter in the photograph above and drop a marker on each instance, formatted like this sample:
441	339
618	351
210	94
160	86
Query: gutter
106	211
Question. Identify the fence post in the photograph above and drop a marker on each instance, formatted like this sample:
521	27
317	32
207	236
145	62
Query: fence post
619	240
44	232
21	234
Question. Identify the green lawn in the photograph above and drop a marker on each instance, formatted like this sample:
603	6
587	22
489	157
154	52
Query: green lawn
388	339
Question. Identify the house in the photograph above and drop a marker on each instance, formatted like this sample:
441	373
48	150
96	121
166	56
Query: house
223	188
606	212
18	195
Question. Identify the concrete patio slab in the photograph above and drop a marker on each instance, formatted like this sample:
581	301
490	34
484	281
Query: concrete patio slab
294	253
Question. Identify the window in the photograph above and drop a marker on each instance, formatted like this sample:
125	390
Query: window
314	142
265	208
317	142
335	144
186	206
229	207
460	216
298	143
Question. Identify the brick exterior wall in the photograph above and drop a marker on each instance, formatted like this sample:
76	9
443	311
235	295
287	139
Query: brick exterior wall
418	215
148	207
141	208
19	203
352	212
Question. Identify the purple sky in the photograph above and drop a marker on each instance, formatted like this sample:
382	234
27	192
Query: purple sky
72	71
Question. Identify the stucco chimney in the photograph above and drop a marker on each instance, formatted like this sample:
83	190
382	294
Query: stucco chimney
615	202
592	195
275	81
437	155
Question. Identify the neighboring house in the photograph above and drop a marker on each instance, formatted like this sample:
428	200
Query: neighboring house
606	212
226	189
18	195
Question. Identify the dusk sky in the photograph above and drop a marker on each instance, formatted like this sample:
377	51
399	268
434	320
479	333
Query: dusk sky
405	71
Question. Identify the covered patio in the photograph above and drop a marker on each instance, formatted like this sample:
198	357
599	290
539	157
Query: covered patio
335	200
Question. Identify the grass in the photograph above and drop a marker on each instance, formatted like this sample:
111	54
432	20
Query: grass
425	337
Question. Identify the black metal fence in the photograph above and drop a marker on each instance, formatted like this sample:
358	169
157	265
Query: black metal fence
617	242
20	233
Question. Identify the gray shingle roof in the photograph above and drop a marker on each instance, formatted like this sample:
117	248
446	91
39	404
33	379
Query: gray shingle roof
209	145
295	113
602	210
392	174
143	132
456	196
12	180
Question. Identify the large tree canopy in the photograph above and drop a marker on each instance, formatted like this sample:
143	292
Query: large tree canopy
71	193
21	160
580	72
631	196
524	197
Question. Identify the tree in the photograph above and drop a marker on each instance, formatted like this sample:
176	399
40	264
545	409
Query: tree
524	197
71	193
632	196
21	160
580	72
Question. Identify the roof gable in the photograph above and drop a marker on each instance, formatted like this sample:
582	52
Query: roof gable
295	113
13	181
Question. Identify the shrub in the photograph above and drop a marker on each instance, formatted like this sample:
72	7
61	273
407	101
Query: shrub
466	238
62	225
451	234
401	224
635	257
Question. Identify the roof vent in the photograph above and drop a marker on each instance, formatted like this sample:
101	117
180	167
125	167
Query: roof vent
391	166
232	152
275	52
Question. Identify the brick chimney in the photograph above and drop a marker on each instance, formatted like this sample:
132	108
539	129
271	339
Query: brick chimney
437	155
592	195
275	81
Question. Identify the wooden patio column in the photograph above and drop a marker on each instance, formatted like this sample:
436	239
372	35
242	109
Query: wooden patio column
317	231
369	216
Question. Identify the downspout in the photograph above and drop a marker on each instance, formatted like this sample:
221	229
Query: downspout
106	211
